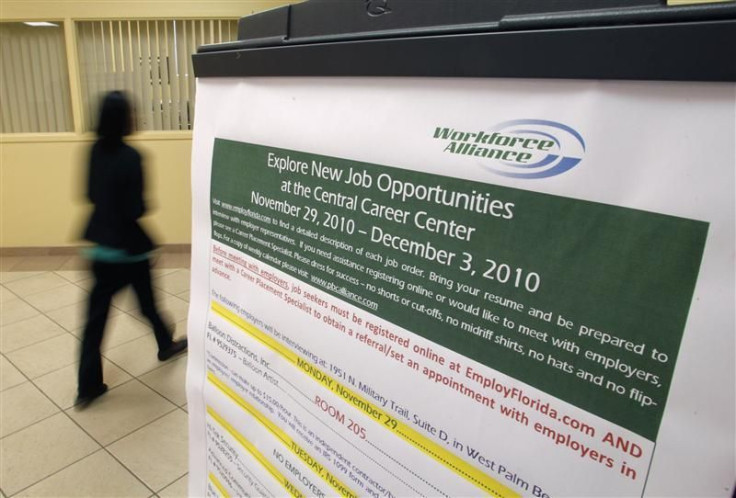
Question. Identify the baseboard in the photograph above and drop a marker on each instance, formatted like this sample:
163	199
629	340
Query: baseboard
72	250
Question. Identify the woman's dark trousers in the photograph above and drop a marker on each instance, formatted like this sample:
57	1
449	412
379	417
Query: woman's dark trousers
109	279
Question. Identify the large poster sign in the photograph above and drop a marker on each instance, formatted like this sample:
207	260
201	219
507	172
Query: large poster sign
462	288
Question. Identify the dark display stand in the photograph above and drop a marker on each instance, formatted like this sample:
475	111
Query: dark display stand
576	39
643	40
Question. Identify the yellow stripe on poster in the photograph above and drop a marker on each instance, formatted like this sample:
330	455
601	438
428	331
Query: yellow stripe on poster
419	441
216	483
282	436
280	478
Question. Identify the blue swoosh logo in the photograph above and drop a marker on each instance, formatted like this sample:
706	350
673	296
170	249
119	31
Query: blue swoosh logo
554	163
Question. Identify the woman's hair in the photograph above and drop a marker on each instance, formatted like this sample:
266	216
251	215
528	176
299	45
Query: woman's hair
115	116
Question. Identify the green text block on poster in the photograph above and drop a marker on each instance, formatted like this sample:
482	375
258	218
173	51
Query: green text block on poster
582	300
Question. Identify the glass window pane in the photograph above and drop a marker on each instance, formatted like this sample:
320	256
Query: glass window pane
34	79
151	60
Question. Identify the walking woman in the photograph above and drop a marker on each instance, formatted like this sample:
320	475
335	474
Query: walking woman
120	256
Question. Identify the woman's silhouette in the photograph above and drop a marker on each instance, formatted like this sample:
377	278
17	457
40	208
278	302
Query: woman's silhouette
120	256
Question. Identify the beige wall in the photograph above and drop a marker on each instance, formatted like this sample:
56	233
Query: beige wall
41	176
42	189
30	10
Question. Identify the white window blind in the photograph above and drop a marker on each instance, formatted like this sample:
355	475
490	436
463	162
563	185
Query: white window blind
151	61
34	84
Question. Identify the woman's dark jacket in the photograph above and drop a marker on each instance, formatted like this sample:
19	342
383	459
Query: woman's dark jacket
115	188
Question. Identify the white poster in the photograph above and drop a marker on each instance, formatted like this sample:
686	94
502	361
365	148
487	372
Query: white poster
452	287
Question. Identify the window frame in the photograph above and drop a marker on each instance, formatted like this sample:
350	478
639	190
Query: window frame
82	121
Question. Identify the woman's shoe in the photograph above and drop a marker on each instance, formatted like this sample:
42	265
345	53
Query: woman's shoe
83	400
175	348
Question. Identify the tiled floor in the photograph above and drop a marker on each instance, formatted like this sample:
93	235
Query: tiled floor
131	442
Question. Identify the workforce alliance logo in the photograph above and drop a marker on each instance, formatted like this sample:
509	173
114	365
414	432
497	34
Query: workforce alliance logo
523	148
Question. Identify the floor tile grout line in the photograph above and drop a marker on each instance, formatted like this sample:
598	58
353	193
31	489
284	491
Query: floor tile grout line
25	300
75	284
78	339
107	448
121	367
159	261
58	406
24	318
5	286
101	445
172	482
90	276
29	380
62	411
39	311
103	353
134	312
60	273
66	282
100	448
9	434
175	408
139	377
155	493
36	343
33	272
67	411
163	395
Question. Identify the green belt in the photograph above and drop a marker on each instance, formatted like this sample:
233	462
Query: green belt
105	254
